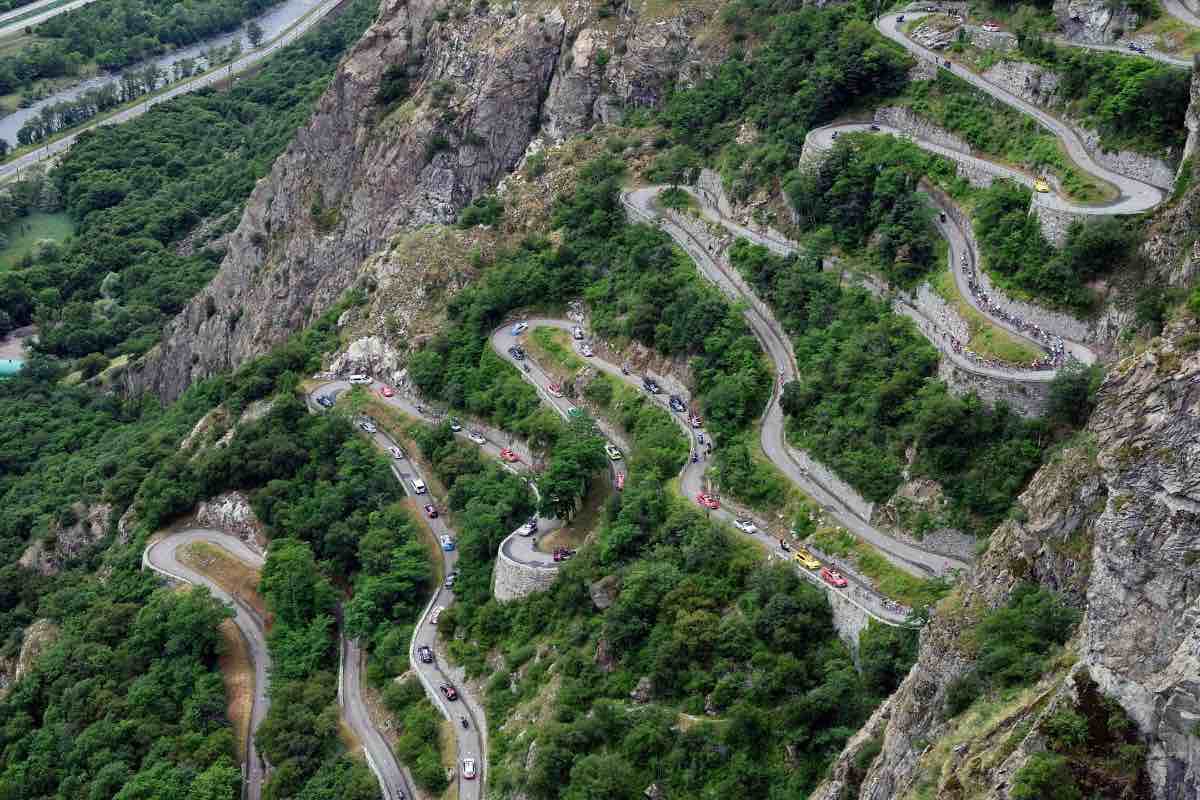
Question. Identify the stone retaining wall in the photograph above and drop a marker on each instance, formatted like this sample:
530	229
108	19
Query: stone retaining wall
905	119
850	497
1029	398
1063	325
512	580
1055	222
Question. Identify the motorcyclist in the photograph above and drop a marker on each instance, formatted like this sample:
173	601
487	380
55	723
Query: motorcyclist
463	720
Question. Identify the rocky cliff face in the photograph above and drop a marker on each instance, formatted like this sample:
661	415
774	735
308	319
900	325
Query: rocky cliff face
1094	21
484	83
36	639
1112	523
49	554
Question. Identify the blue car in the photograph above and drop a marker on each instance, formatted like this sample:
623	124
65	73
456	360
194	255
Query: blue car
447	543
519	328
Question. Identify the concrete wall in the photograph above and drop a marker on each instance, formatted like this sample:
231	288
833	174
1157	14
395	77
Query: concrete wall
512	580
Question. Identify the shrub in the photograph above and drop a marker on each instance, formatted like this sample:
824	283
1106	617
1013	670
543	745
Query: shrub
1045	777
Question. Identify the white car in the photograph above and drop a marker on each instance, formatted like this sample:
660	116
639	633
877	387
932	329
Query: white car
396	452
745	525
368	426
613	452
436	615
476	437
359	380
469	768
587	351
577	332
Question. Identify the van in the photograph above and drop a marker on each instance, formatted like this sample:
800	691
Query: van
418	485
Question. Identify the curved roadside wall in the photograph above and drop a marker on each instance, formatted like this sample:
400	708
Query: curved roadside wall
1062	325
512	580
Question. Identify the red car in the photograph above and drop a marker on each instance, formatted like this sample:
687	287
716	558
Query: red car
449	691
431	510
708	501
386	390
509	456
833	577
563	553
620	481
555	390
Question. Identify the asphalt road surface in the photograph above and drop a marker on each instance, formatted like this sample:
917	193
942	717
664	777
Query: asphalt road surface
163	557
915	560
1136	196
691	477
472	740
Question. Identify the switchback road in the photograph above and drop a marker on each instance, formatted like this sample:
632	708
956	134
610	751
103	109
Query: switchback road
639	203
162	556
691	477
1136	196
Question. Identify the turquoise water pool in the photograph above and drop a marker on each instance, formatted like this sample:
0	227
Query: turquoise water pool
10	366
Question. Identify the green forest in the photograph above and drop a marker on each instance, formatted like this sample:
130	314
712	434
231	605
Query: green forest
110	289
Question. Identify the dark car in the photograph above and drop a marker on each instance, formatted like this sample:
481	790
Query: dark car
449	692
517	352
874	127
676	403
426	654
325	401
651	385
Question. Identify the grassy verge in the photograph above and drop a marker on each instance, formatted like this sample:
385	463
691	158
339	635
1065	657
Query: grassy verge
553	346
987	338
230	573
237	673
887	578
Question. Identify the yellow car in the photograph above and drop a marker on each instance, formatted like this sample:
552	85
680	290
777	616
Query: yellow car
805	559
1041	185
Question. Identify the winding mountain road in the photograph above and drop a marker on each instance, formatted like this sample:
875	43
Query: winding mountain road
691	477
472	740
162	556
1136	196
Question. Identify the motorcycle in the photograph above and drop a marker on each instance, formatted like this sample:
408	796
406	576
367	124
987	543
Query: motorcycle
463	720
694	457
624	370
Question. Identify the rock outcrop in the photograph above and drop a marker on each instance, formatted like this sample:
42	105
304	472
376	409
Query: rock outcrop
1094	21
65	542
36	639
231	512
1113	525
485	84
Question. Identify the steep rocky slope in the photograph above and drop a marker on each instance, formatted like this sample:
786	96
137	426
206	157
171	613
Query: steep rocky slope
1113	523
484	82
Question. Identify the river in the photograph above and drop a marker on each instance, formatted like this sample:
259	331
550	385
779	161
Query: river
273	22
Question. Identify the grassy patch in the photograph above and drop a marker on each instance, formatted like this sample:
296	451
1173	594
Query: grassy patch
553	345
230	573
887	578
237	673
28	231
582	524
987	338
